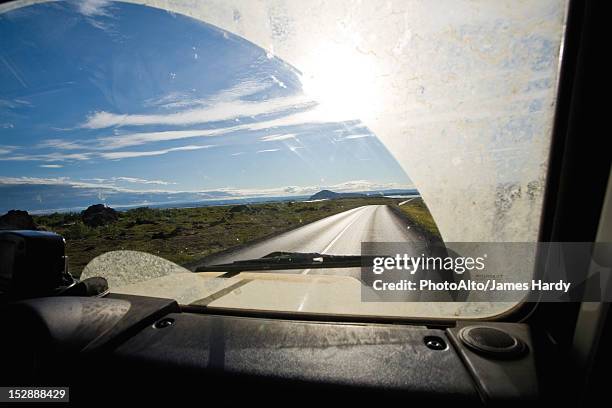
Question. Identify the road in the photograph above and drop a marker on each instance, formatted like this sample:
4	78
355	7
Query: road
340	234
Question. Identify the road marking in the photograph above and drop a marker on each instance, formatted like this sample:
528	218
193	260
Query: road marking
337	237
407	201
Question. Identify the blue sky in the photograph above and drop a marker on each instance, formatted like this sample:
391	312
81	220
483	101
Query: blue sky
99	95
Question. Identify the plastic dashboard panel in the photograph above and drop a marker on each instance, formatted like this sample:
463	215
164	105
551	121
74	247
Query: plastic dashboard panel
101	346
366	357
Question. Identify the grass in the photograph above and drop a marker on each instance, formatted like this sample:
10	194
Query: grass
184	235
416	210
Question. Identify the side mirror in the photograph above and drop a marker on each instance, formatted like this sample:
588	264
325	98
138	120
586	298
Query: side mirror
32	264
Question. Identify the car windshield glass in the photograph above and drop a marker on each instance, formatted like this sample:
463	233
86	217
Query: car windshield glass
202	134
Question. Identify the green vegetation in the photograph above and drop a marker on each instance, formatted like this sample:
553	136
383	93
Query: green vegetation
416	210
184	235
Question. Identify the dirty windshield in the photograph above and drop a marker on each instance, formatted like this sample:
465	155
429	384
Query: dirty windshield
208	134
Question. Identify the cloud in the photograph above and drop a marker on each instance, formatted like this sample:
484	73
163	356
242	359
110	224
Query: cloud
173	100
136	180
32	180
344	187
61	144
98	183
224	105
142	181
6	149
92	8
267	150
51	166
221	111
358	136
14	103
275	138
125	155
48	157
135	139
242	89
49	181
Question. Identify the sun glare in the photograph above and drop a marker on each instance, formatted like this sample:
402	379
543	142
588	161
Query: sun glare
342	81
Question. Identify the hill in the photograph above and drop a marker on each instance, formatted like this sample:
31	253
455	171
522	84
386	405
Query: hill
330	195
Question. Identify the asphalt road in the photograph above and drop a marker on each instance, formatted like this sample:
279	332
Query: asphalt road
340	234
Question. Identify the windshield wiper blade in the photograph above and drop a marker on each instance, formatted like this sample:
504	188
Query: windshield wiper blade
289	260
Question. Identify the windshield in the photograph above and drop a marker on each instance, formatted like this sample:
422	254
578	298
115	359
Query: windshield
213	132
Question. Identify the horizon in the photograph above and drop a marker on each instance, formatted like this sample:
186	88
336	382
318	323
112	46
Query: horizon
208	202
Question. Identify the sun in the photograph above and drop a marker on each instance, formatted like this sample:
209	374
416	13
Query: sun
343	83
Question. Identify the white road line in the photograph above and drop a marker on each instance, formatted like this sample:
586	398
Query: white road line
407	201
337	237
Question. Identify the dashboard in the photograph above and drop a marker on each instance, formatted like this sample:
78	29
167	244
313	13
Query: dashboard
150	348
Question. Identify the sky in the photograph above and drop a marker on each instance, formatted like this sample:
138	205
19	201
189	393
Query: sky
101	100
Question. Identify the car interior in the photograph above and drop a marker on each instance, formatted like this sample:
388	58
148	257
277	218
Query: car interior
110	347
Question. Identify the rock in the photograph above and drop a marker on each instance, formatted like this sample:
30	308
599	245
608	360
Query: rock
18	220
171	234
98	215
242	208
239	208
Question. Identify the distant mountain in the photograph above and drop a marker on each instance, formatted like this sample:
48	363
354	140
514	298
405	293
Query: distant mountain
62	198
395	191
330	195
47	198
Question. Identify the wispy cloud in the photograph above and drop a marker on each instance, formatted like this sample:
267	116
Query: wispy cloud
6	149
276	138
14	103
138	180
50	181
347	186
311	116
225	105
267	150
125	155
55	156
91	183
91	8
135	139
221	111
242	89
51	166
61	144
358	136
173	100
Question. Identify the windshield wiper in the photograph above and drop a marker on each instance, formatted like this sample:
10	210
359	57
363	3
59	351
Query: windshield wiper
289	260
